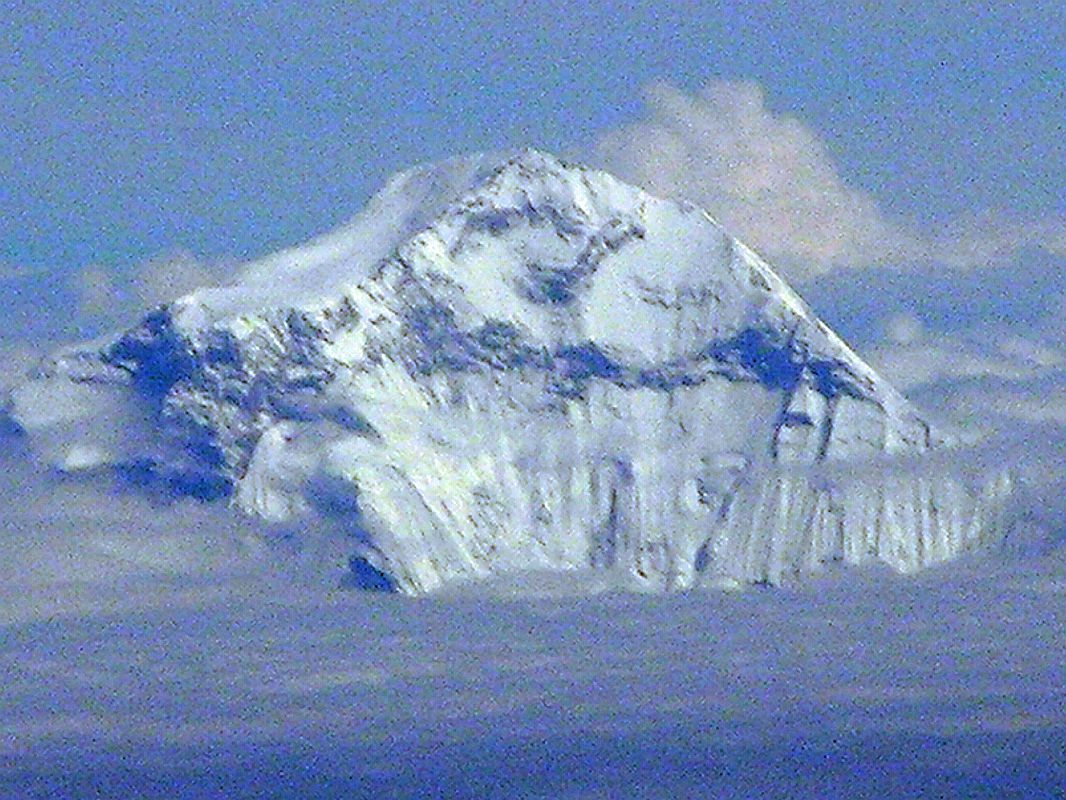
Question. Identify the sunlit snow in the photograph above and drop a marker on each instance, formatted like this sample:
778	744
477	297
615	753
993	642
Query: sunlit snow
510	363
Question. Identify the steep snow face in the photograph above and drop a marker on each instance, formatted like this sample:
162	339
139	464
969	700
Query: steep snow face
514	363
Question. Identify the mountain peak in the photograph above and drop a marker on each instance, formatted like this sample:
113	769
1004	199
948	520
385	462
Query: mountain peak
570	213
411	200
509	362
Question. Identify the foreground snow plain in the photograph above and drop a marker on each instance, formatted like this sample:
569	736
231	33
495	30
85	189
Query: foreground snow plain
223	664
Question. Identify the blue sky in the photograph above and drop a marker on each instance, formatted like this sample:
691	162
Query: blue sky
229	129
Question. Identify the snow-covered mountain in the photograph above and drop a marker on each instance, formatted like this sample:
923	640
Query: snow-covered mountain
513	363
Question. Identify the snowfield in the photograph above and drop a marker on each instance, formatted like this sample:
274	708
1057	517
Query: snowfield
511	363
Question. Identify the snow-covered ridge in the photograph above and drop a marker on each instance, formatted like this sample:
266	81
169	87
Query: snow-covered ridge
513	363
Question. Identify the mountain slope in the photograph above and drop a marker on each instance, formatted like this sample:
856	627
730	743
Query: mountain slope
511	363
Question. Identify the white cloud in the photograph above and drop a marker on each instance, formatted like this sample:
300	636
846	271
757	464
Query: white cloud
766	177
770	179
67	546
167	277
914	363
116	299
982	239
96	291
1029	408
15	361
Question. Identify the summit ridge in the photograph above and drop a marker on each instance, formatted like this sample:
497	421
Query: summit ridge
514	363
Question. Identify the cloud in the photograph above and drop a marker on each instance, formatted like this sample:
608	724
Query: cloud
43	308
167	277
910	355
983	386
109	298
982	349
97	290
770	179
985	239
73	545
767	177
904	328
918	363
1022	294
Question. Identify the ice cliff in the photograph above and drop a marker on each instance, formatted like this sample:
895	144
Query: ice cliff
514	363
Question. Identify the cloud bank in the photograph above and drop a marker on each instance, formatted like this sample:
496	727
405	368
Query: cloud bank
964	317
770	179
983	347
104	294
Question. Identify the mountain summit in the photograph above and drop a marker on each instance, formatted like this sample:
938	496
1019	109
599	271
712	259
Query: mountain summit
514	363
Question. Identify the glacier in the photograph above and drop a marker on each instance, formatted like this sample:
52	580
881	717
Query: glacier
510	363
